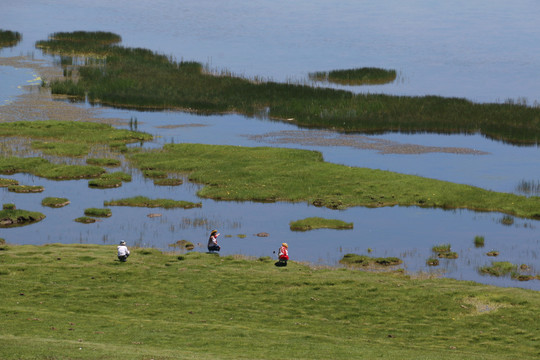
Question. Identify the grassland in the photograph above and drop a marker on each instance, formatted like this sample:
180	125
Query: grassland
140	78
78	302
274	174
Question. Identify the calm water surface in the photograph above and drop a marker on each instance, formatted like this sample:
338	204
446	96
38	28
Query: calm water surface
484	51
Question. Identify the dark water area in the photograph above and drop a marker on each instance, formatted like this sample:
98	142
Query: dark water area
482	51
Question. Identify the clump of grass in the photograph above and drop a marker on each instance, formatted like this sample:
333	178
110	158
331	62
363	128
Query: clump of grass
358	76
26	188
492	253
498	268
55	202
8	182
98	212
319	223
184	244
120	175
432	261
365	261
143	201
11	217
448	255
168	182
9	38
80	42
108	162
507	220
441	248
142	79
479	241
102	183
85	220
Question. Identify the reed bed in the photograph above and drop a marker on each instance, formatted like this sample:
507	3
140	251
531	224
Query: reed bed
139	78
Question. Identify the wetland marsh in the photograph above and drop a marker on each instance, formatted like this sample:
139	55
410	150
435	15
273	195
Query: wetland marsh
408	233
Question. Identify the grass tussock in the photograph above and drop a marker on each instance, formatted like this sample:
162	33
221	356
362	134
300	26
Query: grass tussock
356	260
70	295
319	223
96	212
139	78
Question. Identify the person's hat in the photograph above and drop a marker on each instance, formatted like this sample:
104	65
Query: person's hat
122	242
285	244
213	232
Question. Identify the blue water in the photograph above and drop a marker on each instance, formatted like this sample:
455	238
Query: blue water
485	51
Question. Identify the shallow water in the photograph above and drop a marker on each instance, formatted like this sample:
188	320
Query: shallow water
484	51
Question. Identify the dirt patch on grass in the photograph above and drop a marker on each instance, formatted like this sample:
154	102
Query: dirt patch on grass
481	306
330	138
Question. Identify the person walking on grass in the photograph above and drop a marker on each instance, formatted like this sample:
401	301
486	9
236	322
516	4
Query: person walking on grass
283	255
212	241
123	251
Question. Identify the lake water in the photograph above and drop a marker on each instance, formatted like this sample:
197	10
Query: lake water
485	51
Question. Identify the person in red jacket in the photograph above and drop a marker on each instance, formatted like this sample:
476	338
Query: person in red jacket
283	255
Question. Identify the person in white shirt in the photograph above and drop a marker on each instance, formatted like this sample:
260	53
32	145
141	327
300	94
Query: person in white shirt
123	251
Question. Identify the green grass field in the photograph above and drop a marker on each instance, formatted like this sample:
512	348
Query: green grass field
79	302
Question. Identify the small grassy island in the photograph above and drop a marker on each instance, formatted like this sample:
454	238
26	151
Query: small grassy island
319	223
96	212
140	78
54	306
143	201
12	217
359	76
55	202
9	38
356	260
25	189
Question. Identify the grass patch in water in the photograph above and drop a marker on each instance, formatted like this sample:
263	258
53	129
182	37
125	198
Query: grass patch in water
300	312
479	241
85	220
368	261
7	182
358	76
319	223
498	268
110	180
168	182
54	202
44	168
143	201
12	217
22	189
98	212
277	174
184	244
140	78
9	38
64	135
107	162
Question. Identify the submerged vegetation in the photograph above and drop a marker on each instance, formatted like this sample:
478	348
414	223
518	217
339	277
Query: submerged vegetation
277	174
9	38
319	223
359	76
143	79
